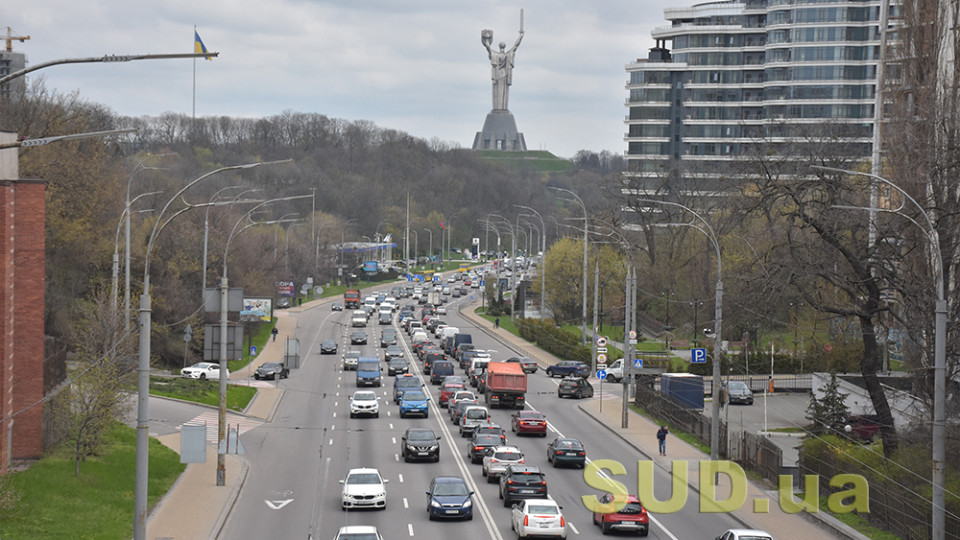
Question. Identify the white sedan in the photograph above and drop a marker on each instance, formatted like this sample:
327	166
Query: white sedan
358	532
203	371
538	517
363	488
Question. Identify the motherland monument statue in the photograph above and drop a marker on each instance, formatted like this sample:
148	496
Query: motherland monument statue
500	128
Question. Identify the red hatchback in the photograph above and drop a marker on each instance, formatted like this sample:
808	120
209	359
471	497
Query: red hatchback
529	422
631	518
447	390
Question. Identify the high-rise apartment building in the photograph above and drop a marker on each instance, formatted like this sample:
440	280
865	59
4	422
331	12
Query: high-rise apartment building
728	76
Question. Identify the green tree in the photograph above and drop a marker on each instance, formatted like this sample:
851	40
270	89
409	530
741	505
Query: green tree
829	410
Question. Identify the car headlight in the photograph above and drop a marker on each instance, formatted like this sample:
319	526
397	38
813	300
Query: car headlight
411	447
434	503
434	447
382	494
468	504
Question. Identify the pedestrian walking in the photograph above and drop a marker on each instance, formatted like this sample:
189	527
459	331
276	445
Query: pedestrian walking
300	302
496	322
274	332
662	439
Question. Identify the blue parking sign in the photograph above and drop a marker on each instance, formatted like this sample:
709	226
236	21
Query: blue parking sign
698	356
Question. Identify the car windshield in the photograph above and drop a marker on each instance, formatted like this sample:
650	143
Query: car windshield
270	365
414	396
546	509
449	488
508	456
419	435
737	386
358	536
365	396
397	362
363	478
476	413
408	383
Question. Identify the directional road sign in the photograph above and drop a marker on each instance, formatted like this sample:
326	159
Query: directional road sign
601	374
698	356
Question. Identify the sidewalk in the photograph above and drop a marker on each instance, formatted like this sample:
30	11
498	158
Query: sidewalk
641	435
196	508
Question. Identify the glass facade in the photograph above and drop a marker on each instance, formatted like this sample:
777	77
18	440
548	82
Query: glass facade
728	76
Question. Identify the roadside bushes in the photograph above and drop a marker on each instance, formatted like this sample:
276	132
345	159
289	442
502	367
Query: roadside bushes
554	340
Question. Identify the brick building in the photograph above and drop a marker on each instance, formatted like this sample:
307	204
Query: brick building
22	267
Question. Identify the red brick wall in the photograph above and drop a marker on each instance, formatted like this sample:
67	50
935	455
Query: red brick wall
22	268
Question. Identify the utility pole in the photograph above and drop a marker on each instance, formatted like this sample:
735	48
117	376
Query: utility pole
628	350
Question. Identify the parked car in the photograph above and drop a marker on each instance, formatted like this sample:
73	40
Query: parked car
863	427
566	368
364	402
542	517
522	482
363	488
497	459
420	443
529	365
283	302
449	497
328	346
737	392
272	371
202	371
527	421
563	450
575	387
478	444
632	517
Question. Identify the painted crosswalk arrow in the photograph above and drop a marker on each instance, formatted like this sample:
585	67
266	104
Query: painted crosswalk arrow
276	505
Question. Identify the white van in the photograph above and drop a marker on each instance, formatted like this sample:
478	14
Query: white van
414	326
418	337
448	332
358	318
477	365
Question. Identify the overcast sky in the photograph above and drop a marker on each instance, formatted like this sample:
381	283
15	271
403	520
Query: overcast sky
413	65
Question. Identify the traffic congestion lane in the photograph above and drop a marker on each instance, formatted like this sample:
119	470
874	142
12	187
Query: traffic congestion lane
565	418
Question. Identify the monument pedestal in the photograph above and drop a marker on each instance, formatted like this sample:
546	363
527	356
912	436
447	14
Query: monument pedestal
500	133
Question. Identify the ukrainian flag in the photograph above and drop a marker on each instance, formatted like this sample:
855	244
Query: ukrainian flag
198	46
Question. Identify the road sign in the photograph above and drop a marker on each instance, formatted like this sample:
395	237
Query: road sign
698	356
601	374
638	363
633	334
601	358
601	341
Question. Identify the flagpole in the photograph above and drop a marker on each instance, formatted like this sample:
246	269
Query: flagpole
193	114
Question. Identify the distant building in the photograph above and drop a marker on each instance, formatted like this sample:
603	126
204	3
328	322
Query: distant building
729	75
11	62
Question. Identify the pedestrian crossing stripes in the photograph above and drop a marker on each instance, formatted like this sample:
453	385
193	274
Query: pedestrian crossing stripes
253	383
211	418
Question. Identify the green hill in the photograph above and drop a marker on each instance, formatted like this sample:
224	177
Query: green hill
540	160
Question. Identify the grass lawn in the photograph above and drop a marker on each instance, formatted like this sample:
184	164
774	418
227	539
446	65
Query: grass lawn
205	392
52	498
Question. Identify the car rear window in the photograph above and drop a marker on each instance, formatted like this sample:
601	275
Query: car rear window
508	456
527	477
476	413
542	509
631	508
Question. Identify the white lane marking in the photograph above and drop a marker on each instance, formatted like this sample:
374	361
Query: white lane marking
388	413
396	457
334	414
405	503
330	443
410	529
575	531
336	403
400	476
393	440
390	425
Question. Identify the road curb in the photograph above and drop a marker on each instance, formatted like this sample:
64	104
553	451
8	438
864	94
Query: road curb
231	501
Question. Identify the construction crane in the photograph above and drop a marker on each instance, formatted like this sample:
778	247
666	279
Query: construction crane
9	37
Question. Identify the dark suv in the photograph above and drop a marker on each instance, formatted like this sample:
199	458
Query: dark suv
420	443
568	368
522	482
575	387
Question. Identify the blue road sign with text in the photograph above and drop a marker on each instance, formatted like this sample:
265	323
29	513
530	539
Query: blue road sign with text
698	356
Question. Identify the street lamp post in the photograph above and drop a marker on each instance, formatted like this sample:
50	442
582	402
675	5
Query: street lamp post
116	253
585	241
143	365
206	226
543	263
430	253
695	304
938	455
707	230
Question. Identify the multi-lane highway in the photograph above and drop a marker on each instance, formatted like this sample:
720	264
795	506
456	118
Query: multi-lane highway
292	489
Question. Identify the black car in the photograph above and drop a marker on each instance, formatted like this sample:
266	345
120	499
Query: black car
449	497
388	338
522	482
575	387
272	371
478	444
393	351
397	366
566	368
563	450
336	306
328	346
358	338
420	443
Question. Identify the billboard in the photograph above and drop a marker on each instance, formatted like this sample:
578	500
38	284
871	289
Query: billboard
285	288
370	267
256	310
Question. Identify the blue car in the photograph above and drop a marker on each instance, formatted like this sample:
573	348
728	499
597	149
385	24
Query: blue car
402	383
568	368
414	402
448	497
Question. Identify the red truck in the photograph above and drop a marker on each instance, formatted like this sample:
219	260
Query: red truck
506	385
351	299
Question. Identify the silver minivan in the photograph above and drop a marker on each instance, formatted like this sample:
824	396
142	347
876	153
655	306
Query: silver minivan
471	418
